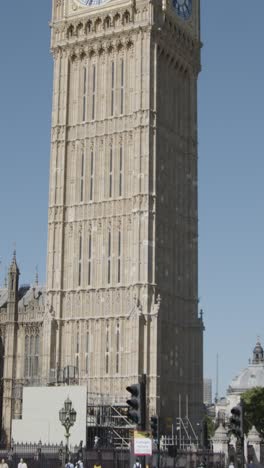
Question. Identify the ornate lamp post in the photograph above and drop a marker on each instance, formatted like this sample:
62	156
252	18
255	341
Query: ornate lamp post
67	417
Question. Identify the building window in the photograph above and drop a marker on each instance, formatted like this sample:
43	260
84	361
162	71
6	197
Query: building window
31	364
94	91
109	258
87	353
82	178
117	347
77	351
107	347
119	257
27	356
91	176
111	173
80	262
84	98
122	86
89	258
36	357
77	343
120	190
112	88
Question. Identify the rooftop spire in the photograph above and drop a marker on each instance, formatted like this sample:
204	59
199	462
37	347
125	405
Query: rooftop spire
258	353
36	276
14	256
13	265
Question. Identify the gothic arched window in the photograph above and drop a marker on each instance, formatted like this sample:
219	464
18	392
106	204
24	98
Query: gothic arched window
117	346
107	349
31	363
87	352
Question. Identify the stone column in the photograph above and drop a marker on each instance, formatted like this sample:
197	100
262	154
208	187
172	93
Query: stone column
220	441
253	439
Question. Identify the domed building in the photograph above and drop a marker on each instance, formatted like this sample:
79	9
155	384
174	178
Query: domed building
250	377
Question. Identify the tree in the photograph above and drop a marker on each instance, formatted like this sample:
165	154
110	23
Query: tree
210	426
253	403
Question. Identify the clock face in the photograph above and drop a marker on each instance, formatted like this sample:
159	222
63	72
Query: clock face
92	2
183	8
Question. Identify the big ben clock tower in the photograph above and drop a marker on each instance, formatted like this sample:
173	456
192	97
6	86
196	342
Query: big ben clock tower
122	238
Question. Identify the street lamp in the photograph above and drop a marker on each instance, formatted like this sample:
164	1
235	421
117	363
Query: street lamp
67	416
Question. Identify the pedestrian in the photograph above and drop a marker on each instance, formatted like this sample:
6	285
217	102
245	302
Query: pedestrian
251	464
79	464
80	450
22	464
3	464
137	464
69	464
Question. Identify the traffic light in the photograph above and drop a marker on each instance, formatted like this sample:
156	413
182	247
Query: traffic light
236	421
154	424
137	404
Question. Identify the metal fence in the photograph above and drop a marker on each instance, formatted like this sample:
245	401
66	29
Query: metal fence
43	456
35	455
55	456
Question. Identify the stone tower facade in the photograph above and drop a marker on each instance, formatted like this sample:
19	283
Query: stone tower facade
122	235
121	297
10	344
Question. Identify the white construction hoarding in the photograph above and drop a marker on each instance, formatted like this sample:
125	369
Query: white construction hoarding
40	416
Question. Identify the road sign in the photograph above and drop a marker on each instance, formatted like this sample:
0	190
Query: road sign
142	443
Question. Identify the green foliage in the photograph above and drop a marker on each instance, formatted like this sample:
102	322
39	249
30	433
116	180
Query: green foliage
207	431
253	403
210	426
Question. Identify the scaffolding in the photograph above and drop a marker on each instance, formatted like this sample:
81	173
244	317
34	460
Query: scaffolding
183	436
108	426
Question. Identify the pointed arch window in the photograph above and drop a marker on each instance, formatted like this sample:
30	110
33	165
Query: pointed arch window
82	178
107	349
36	357
93	91
87	344
77	351
31	355
111	173
109	253
26	356
31	362
78	343
84	97
120	189
89	258
112	88
91	176
122	85
117	347
119	240
80	262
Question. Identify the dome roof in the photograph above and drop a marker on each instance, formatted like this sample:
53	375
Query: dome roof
252	376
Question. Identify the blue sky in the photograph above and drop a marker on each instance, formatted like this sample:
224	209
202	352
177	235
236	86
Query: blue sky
231	189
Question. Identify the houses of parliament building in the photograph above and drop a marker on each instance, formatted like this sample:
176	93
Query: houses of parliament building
121	297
